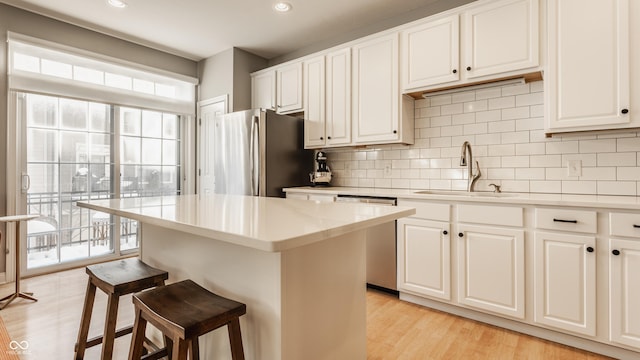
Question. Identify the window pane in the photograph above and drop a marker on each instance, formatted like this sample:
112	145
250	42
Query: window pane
151	151
88	75
73	114
117	81
130	121
42	111
55	68
130	150
43	145
170	178
129	181
143	86
151	180
170	126
166	91
128	234
101	187
73	147
152	124
100	117
75	178
44	178
169	152
26	63
99	152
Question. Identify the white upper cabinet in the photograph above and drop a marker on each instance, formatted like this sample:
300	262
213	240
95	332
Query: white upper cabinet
289	88
314	103
501	36
492	40
263	90
587	78
430	53
377	115
338	95
375	89
278	89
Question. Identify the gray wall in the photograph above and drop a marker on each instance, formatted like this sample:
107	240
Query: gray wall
229	72
27	23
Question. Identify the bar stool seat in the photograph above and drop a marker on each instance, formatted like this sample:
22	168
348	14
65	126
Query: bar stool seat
183	311
115	278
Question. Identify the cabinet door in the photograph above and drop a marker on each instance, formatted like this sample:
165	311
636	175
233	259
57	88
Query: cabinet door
289	88
424	259
430	53
624	292
314	104
263	91
587	77
501	36
565	281
338	111
491	269
376	90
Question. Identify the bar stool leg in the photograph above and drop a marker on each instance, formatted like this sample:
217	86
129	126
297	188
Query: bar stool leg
81	345
137	338
194	349
179	349
235	339
110	328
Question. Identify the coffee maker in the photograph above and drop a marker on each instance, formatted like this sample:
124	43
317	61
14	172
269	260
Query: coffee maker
322	176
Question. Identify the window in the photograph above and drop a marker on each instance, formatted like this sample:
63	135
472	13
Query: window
70	147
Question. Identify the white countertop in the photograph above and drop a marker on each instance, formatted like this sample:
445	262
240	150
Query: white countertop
264	223
593	201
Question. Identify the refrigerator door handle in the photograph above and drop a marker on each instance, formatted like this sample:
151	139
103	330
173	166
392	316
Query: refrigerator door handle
254	145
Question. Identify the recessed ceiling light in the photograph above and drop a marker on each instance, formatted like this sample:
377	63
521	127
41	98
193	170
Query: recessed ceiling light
117	3
282	7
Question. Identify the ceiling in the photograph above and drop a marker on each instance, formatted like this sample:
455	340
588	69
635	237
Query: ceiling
198	29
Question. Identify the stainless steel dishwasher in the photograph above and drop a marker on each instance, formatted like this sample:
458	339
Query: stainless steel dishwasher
381	246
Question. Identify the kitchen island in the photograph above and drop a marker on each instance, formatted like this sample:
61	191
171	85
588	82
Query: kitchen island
298	265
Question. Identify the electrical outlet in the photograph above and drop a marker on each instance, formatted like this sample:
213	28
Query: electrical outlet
387	169
574	168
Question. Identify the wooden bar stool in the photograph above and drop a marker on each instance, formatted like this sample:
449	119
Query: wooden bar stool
115	278
183	311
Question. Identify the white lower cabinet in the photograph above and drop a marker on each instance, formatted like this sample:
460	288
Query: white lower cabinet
565	281
424	257
624	275
491	269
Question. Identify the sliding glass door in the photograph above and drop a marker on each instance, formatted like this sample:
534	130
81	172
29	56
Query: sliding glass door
78	150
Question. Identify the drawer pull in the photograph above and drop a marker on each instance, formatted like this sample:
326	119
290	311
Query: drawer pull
566	221
616	252
636	226
445	232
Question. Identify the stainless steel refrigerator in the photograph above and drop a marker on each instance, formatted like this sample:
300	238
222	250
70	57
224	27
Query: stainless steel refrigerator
258	152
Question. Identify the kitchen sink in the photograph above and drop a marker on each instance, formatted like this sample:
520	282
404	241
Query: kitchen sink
465	193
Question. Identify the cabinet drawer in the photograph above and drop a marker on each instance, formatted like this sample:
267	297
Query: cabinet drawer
427	210
624	224
567	220
491	215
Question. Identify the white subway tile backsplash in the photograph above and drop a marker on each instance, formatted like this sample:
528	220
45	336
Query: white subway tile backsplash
486	116
451	109
617	188
617	159
597	146
505	126
502	102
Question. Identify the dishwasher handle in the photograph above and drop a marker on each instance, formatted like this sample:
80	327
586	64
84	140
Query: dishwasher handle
367	200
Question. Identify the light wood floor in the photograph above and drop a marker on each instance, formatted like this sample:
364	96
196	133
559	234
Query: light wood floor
395	329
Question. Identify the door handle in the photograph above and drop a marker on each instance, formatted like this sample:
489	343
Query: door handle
25	182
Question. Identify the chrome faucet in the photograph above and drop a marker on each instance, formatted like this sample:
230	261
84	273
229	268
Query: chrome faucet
471	178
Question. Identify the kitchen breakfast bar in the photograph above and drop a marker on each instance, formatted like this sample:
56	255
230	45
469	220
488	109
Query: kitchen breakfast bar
298	265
